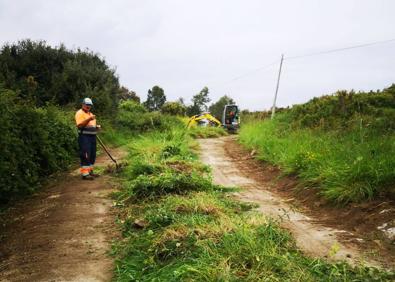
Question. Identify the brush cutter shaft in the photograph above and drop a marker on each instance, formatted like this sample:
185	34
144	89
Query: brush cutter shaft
105	149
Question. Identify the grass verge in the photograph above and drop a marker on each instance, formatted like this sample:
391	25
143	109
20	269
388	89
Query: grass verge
206	132
178	226
347	166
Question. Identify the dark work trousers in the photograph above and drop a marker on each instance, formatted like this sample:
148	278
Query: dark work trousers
87	143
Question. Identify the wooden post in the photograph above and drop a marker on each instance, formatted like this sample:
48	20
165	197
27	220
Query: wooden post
278	84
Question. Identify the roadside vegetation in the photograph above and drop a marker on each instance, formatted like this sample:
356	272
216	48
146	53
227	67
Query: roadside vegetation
341	144
207	132
35	142
40	89
178	226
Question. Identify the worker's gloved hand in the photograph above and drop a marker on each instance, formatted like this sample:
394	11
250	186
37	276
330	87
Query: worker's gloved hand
98	127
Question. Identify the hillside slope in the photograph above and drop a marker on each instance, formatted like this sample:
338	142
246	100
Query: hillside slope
342	144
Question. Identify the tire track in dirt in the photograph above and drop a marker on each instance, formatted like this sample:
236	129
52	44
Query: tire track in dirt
63	233
311	237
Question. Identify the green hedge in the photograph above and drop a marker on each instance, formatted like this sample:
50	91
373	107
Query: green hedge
133	116
347	109
45	74
34	143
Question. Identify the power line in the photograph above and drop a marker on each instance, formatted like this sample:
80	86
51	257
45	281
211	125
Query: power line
253	71
248	73
306	55
340	49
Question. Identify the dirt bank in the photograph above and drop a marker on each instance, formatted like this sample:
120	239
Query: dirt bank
233	166
61	234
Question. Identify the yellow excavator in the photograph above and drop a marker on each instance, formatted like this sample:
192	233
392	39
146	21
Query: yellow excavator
203	119
230	119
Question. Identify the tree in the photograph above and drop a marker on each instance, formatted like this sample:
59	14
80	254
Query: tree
181	101
173	108
155	99
126	94
199	102
44	74
217	108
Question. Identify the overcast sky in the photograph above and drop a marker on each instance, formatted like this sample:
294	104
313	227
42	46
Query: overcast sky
184	45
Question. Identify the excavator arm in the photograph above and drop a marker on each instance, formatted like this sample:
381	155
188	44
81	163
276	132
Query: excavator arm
194	120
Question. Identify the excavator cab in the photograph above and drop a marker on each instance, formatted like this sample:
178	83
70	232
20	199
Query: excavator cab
230	118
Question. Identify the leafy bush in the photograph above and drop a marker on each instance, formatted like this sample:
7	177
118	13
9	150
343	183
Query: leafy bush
173	108
132	106
35	143
135	117
346	110
44	74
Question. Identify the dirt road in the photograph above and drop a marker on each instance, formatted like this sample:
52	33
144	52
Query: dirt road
61	234
313	238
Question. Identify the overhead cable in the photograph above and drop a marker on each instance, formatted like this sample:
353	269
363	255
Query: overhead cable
249	73
340	49
307	55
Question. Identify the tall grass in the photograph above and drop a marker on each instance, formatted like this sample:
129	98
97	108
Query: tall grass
207	132
346	165
192	230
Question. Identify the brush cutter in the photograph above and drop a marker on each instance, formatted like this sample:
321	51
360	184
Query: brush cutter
108	153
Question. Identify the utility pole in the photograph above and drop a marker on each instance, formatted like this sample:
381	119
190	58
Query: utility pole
278	84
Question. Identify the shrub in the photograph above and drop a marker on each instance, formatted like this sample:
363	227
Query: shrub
45	74
343	109
132	106
135	117
173	108
35	143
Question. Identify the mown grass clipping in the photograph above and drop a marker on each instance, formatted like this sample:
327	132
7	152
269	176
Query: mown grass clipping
178	226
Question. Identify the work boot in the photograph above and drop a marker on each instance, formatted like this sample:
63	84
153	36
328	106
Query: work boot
87	177
91	173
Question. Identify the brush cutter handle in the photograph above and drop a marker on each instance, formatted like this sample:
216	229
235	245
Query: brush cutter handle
105	149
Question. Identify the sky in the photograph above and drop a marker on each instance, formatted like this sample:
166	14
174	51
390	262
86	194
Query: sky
184	45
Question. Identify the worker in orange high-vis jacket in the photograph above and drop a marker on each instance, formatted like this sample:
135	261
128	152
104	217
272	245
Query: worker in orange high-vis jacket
87	130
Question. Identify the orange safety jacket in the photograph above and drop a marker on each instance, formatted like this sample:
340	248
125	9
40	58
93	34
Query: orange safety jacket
90	128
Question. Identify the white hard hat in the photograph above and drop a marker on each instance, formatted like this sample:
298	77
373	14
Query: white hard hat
87	101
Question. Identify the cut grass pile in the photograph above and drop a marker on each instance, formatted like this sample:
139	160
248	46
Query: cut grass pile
207	132
178	226
347	166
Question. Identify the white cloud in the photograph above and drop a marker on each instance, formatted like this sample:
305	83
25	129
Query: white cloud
185	45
